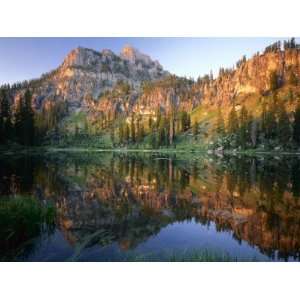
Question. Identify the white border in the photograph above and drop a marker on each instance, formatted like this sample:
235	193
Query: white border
195	18
149	281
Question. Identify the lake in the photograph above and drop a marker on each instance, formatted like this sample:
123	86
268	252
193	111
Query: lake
155	207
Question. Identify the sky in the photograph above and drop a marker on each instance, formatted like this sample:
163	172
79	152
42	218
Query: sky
28	58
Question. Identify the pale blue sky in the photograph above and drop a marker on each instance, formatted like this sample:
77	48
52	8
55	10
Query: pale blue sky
27	58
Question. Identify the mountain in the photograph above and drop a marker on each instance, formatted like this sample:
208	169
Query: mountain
86	73
271	76
251	76
129	99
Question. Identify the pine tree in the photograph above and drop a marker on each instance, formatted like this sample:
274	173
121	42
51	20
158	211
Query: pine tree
292	43
296	126
28	133
233	124
185	120
1	127
243	127
132	129
5	116
86	124
162	132
273	81
126	133
24	120
19	120
150	124
153	140
195	128
172	127
112	135
271	125
140	131
158	117
121	133
220	126
167	130
76	130
253	129
264	117
270	122
283	126
188	124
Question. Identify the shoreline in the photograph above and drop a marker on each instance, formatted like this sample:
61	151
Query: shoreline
50	150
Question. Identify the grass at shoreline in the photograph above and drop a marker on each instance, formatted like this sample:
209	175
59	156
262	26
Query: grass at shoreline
182	256
50	149
22	219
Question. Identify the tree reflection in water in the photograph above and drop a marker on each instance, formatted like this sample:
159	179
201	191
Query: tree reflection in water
129	198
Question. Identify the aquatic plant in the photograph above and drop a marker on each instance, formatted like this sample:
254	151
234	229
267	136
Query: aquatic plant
22	218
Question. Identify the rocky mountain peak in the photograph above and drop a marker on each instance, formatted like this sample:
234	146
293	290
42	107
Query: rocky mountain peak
81	57
108	53
134	55
87	73
129	53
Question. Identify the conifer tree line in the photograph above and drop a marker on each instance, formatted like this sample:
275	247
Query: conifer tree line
161	129
277	46
17	124
274	127
21	124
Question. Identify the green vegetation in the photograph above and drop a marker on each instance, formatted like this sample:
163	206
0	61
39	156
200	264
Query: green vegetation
274	129
137	194
24	121
161	130
6	126
20	124
184	256
264	120
21	220
276	47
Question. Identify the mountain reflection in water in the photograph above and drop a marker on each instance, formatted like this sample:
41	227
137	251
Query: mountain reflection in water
111	204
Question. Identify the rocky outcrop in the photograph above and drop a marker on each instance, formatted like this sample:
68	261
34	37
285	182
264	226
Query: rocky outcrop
86	77
249	77
252	76
86	73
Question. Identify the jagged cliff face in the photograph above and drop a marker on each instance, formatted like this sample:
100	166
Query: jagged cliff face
169	94
86	73
252	76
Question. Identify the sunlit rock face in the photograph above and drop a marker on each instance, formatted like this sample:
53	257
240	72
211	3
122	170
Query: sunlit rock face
168	96
88	73
134	56
85	75
252	76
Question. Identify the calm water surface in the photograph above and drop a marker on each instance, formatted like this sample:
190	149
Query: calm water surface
114	207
